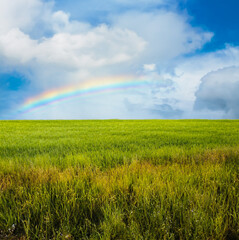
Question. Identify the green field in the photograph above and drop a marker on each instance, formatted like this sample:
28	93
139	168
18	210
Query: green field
114	179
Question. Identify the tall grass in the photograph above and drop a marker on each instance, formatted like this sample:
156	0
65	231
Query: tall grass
119	179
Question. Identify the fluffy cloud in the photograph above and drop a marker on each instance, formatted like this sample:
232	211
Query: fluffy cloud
218	91
79	44
75	44
167	33
187	75
72	43
19	14
98	47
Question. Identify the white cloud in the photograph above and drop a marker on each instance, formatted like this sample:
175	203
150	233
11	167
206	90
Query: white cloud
218	91
99	47
29	16
16	47
167	33
149	67
18	13
189	71
187	79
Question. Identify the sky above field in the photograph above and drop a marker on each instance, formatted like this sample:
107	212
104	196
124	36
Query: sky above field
126	59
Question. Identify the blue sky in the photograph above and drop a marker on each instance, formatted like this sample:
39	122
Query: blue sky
186	50
218	16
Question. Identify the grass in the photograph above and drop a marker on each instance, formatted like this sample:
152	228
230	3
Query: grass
119	179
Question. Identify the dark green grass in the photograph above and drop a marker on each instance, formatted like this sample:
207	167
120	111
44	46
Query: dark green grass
147	179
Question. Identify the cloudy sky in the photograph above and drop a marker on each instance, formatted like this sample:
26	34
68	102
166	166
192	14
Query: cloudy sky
186	52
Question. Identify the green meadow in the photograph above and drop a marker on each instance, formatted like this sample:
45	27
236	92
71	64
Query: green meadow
146	179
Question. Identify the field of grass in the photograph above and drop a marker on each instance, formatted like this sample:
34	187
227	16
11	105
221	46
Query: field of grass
149	179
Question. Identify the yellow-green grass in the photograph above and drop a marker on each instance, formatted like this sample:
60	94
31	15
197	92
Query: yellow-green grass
119	179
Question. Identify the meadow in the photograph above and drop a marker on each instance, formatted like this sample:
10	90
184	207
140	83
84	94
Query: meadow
145	179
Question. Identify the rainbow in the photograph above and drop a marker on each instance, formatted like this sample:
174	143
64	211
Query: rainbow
90	87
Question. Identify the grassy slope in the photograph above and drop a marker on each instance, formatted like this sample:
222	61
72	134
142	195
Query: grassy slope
119	179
